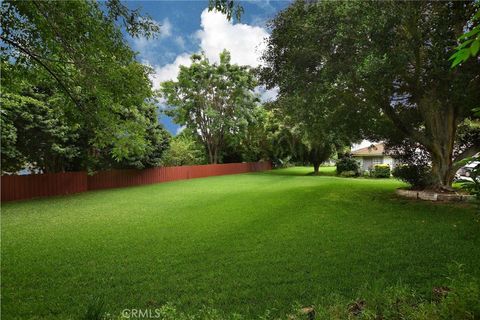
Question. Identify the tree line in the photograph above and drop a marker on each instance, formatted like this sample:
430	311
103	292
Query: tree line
381	70
74	96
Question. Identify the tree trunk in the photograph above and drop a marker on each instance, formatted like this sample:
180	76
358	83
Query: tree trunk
210	153
316	166
215	155
442	170
441	129
315	159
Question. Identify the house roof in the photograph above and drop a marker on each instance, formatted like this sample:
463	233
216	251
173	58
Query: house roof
377	149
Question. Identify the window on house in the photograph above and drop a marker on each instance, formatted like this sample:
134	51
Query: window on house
377	160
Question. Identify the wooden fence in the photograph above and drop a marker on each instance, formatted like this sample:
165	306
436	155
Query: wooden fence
15	187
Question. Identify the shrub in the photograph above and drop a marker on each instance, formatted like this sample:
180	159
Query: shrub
349	174
381	171
472	185
184	150
417	176
347	163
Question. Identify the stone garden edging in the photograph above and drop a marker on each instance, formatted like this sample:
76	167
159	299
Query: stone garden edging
434	196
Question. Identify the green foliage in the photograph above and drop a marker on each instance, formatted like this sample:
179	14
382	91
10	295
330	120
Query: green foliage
285	138
214	100
184	150
418	176
378	70
381	171
100	91
253	143
469	43
349	174
36	132
227	7
472	186
347	164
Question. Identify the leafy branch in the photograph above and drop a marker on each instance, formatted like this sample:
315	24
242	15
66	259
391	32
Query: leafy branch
469	43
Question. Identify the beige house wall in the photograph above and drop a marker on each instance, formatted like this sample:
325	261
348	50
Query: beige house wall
367	162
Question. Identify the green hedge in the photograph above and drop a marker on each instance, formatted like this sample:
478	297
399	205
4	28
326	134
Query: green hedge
347	164
381	171
417	176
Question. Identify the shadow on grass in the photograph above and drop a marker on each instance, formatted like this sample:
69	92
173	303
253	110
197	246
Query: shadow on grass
303	172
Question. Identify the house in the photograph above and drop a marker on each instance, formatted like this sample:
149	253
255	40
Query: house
372	155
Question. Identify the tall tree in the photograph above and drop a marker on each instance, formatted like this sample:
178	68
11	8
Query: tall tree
381	69
213	100
77	50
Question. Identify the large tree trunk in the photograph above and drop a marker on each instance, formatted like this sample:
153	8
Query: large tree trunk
442	171
440	133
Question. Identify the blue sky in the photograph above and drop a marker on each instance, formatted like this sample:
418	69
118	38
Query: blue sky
187	27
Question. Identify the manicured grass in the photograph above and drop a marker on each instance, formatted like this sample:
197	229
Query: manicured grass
240	243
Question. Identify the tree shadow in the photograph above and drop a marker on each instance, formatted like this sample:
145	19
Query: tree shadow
303	172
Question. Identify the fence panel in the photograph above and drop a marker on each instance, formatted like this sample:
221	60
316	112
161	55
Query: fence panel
51	184
42	185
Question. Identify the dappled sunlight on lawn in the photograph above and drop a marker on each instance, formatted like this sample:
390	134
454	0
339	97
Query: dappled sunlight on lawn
239	243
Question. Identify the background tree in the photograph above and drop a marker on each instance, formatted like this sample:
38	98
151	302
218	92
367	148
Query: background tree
213	100
284	136
251	143
36	133
296	63
184	150
227	7
381	70
104	92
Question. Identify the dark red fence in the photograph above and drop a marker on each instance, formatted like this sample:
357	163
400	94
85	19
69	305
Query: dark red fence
52	184
42	185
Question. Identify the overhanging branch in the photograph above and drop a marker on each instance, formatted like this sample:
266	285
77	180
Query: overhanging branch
45	66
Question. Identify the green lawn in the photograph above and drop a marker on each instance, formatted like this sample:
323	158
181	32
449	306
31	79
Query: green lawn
240	243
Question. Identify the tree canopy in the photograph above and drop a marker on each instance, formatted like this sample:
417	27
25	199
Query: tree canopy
380	69
213	100
71	57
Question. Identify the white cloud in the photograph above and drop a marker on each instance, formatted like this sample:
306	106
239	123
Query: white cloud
165	28
180	42
180	129
266	95
244	42
148	48
169	71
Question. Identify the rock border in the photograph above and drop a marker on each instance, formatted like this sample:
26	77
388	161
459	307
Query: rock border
434	196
